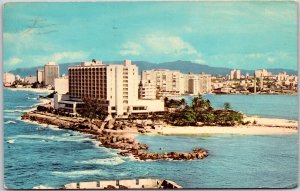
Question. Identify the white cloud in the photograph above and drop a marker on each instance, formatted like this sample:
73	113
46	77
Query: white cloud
14	61
173	45
271	60
68	56
76	55
130	48
158	44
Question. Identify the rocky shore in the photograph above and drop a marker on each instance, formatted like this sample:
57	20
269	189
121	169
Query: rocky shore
116	135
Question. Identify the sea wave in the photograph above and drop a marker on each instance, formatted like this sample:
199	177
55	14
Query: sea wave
9	122
77	173
52	138
32	98
14	111
108	161
42	187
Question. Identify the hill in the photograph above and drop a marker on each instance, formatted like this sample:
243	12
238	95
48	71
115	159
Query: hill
182	66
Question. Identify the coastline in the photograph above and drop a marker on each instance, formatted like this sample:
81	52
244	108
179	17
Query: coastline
38	90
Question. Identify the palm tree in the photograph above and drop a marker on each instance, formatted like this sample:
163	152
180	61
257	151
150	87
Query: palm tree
227	106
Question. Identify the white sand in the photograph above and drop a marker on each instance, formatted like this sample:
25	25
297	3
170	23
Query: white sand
264	126
253	130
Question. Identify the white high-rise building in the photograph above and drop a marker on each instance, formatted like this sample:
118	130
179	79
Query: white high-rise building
235	74
40	75
170	82
51	71
8	79
115	86
262	73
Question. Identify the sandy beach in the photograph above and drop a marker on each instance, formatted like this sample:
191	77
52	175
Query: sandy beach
263	126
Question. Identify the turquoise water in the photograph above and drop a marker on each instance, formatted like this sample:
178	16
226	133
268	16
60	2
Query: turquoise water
49	156
273	106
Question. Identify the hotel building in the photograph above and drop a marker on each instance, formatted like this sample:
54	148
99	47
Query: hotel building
115	86
51	71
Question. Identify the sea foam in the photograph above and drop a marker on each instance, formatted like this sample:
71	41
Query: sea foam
9	122
77	173
108	161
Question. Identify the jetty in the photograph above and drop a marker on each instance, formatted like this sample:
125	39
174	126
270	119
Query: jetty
124	184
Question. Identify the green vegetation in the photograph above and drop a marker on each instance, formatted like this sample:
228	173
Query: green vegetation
201	111
93	109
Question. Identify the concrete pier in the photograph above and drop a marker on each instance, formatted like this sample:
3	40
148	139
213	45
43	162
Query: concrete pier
124	184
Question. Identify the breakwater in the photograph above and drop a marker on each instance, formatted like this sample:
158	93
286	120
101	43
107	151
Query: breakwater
114	134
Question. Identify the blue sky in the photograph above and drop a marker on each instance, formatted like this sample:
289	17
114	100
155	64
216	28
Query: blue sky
244	35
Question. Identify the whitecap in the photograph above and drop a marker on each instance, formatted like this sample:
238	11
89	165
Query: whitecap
42	187
21	106
32	98
77	173
9	122
11	141
13	111
108	161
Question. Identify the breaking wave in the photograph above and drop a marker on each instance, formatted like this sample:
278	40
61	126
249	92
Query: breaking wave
107	161
9	122
77	173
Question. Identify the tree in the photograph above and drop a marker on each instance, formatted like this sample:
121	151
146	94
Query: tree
199	104
93	109
227	106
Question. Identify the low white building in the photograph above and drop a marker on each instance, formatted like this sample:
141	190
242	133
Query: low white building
30	79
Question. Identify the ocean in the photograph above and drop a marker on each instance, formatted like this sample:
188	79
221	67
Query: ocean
45	155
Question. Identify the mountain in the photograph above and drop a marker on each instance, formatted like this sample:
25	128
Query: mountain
182	66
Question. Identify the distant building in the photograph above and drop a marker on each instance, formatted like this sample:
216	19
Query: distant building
30	79
8	79
40	75
115	86
172	82
235	74
51	71
168	81
262	73
197	83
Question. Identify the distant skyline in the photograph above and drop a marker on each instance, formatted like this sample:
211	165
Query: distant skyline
242	35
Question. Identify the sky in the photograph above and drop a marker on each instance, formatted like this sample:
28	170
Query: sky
242	35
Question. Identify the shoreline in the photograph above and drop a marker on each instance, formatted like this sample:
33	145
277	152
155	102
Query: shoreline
38	90
121	134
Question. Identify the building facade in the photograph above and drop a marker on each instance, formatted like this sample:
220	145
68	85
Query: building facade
30	79
166	81
61	85
170	82
51	71
147	90
235	74
8	79
40	75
